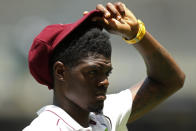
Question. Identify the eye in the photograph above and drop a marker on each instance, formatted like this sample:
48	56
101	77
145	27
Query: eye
93	72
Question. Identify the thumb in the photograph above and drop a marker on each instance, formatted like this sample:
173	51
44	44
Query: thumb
85	13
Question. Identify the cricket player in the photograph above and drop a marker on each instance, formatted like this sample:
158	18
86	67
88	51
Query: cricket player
74	60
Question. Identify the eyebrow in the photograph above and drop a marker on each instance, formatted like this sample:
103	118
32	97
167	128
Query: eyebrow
99	66
109	68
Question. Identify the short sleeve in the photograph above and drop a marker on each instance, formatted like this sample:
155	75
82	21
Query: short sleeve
118	108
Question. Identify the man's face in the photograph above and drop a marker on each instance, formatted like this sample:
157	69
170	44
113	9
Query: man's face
87	83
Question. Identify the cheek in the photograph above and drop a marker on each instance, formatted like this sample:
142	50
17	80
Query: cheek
80	91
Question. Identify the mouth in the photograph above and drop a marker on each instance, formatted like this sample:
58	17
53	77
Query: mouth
101	93
101	97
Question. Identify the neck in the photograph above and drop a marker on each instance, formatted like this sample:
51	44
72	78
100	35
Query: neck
77	113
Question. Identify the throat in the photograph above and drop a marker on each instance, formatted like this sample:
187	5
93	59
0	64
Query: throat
77	113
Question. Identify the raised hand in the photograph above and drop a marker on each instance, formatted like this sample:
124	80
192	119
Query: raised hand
118	19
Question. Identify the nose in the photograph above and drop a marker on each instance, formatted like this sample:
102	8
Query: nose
104	83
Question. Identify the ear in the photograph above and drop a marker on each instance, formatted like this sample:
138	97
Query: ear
59	70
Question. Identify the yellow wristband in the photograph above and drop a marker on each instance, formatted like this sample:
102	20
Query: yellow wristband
140	34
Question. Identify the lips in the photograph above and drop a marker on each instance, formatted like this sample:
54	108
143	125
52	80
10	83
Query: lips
101	96
101	93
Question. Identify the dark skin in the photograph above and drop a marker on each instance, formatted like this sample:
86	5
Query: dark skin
164	77
82	88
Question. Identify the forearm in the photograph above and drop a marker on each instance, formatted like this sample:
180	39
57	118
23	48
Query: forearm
164	77
161	67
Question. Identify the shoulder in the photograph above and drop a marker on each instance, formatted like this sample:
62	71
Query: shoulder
49	118
45	121
52	118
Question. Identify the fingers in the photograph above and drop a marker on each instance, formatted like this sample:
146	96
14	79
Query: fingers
85	13
121	8
100	20
101	8
117	19
116	10
113	11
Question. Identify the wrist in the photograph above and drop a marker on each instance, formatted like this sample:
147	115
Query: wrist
139	34
133	33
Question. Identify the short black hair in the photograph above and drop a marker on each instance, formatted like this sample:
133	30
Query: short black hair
85	40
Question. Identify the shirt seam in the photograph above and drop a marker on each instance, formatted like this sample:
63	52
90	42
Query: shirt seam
61	119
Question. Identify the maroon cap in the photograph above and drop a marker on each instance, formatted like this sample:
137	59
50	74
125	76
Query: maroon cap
45	43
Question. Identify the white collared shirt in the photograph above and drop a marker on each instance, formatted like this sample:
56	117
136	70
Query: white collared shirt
116	111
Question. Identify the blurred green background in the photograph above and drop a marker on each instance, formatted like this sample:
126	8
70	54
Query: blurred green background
171	22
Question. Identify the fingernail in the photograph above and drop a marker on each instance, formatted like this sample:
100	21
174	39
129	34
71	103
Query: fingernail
107	14
118	17
85	12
